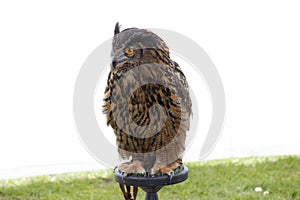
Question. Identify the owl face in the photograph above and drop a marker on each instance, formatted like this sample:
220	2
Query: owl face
133	47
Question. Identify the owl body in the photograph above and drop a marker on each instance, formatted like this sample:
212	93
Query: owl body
147	103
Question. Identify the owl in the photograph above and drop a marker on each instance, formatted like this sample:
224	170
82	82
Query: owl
147	103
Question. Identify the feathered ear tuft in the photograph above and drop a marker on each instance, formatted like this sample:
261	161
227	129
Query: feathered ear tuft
117	28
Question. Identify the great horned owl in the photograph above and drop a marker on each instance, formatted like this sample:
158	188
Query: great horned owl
147	103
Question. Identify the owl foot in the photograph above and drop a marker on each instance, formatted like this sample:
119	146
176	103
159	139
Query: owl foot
168	170
134	166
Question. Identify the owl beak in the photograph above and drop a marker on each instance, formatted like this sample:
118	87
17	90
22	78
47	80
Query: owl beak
118	58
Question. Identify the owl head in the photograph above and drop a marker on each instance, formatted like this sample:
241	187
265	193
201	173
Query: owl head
133	47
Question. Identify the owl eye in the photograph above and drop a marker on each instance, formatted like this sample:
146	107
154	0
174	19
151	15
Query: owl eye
129	51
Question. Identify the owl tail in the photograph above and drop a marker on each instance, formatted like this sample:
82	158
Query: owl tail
127	193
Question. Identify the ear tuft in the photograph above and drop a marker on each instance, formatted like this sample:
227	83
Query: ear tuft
117	28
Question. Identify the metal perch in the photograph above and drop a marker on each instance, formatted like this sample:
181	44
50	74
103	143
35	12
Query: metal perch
151	185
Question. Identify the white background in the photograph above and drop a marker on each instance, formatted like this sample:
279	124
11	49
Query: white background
255	46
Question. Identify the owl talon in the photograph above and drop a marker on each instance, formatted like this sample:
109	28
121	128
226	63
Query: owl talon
153	172
143	172
124	174
171	173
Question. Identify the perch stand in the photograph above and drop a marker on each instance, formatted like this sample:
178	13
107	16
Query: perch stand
151	185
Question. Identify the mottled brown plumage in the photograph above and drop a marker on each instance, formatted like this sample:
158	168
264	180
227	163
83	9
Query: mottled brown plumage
147	103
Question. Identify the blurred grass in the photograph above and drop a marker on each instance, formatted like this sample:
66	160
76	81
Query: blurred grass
278	177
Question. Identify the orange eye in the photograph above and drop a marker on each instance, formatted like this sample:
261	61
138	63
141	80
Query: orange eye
129	51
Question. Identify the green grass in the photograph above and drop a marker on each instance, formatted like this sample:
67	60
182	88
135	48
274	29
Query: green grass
221	179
